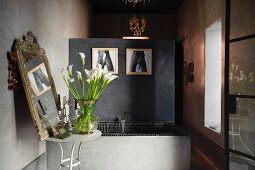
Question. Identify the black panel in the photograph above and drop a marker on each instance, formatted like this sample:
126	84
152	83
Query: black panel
118	6
135	97
179	60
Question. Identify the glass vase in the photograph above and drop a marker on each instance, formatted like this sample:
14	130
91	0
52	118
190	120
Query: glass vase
86	122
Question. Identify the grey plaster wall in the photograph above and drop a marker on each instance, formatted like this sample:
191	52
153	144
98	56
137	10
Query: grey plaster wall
53	22
133	97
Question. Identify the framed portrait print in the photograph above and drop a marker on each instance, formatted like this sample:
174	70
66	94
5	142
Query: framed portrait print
107	57
39	79
138	61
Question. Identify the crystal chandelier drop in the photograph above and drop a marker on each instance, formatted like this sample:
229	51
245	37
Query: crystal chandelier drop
134	2
137	25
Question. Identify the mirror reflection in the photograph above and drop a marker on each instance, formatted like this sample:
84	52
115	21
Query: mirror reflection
38	84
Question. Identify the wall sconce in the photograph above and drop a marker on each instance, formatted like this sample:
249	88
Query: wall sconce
188	72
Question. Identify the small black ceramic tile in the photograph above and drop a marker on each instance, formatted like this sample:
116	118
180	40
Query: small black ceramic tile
132	128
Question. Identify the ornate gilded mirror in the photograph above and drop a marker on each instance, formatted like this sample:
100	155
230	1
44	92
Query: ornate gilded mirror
38	83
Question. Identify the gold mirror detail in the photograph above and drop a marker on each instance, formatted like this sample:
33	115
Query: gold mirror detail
30	56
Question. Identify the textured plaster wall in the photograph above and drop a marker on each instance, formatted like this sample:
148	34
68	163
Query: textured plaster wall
117	26
53	22
194	18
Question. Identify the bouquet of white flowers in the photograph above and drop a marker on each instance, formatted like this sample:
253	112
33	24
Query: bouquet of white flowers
239	82
97	80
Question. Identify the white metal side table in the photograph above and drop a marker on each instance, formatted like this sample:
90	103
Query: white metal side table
74	139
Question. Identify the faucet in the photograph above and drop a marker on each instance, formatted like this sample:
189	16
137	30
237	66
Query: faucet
122	122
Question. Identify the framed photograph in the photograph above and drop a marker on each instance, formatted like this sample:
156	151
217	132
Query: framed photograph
107	57
39	79
138	61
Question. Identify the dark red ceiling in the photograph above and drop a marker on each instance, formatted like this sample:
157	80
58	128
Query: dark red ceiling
154	7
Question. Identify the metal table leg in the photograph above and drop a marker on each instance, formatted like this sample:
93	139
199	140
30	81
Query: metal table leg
71	159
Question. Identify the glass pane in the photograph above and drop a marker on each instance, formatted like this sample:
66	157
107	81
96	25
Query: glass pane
242	67
242	127
242	18
237	162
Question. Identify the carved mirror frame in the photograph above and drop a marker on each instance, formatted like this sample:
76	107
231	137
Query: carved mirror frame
30	46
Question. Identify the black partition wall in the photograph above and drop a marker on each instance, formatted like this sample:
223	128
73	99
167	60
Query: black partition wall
134	97
240	84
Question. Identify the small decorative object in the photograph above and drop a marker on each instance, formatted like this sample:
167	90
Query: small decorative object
137	25
138	61
97	80
62	109
188	72
107	57
239	83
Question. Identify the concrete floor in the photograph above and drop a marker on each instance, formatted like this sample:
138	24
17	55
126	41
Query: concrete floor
197	163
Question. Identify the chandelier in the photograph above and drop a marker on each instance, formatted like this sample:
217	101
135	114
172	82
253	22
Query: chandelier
137	25
134	2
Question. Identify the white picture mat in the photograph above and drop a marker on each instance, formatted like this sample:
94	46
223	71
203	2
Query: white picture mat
32	79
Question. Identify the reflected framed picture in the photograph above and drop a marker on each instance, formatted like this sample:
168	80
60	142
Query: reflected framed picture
39	79
138	61
107	57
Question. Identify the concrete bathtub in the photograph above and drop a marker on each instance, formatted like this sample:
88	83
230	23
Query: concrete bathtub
143	146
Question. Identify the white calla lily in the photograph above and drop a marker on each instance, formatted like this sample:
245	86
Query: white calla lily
90	73
112	77
83	56
239	80
70	71
79	75
233	65
71	80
